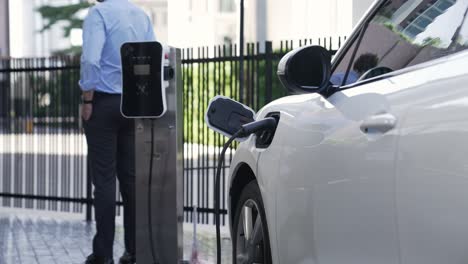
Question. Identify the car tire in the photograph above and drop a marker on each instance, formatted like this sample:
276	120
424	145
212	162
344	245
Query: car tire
251	242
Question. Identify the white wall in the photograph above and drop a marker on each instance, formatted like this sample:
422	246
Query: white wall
203	25
299	19
158	12
25	23
359	8
189	26
22	27
196	23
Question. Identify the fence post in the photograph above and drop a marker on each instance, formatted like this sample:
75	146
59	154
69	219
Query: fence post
89	187
268	71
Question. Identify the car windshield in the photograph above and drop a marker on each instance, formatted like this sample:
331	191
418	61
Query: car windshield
405	33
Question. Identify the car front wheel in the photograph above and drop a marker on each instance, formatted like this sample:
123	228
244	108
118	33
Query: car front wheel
251	242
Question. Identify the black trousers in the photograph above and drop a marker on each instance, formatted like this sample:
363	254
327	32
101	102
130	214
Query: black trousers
111	150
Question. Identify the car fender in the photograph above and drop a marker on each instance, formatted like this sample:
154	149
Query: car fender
249	155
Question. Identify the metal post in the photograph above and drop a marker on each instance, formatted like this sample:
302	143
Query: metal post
241	51
167	177
4	28
268	71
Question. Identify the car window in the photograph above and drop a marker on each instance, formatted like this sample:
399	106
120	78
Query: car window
404	33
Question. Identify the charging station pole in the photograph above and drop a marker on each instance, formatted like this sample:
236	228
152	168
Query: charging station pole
167	182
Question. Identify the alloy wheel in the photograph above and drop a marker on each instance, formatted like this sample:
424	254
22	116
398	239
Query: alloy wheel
250	240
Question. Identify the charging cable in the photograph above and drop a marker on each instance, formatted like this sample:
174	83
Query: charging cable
150	182
268	123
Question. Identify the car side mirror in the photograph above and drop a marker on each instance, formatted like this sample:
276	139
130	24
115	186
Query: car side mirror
306	69
226	116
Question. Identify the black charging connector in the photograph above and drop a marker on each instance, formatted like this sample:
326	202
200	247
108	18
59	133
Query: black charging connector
268	123
168	73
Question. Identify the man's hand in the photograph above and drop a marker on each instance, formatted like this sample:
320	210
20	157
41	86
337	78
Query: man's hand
86	111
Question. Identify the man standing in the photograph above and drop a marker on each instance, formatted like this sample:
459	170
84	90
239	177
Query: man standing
109	135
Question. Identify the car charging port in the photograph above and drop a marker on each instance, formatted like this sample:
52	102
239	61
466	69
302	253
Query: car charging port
265	137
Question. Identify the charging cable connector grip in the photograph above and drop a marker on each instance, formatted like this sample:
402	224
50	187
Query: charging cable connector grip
168	73
268	123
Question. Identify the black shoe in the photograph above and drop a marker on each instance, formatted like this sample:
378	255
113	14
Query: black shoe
93	259
127	258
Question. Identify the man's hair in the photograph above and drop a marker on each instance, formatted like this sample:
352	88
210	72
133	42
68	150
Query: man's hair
365	62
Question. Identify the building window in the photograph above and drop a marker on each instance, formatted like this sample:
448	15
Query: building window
226	6
426	17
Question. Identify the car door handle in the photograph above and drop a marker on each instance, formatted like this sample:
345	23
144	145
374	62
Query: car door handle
380	123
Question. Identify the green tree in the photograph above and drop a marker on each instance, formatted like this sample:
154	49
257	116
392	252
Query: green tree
66	14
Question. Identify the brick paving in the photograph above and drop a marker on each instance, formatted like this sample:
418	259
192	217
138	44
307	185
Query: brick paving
41	237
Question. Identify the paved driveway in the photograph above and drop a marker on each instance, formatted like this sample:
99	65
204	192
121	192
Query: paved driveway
42	237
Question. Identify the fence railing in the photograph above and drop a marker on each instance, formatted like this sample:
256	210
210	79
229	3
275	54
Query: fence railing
43	150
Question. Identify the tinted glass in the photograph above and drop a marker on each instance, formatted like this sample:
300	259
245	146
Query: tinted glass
405	33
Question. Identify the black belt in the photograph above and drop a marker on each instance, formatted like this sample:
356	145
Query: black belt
103	94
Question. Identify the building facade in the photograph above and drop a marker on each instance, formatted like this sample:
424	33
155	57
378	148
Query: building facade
300	19
423	14
194	23
158	12
26	23
26	40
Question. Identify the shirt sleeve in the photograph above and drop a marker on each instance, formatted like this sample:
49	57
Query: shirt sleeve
94	37
337	78
150	31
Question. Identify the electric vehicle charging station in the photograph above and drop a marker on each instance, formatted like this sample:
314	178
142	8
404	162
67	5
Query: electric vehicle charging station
152	95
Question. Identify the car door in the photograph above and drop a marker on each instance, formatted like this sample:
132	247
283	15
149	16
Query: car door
338	167
336	185
432	168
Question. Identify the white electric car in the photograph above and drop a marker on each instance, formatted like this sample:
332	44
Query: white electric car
369	164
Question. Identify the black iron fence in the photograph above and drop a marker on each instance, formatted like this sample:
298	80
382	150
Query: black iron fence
43	151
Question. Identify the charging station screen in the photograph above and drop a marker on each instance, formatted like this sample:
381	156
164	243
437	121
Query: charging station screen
142	69
142	73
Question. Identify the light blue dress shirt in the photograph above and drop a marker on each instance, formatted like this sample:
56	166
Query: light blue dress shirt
338	78
107	26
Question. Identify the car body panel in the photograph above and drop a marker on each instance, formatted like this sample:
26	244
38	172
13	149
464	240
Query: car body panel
248	154
340	180
266	177
432	168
